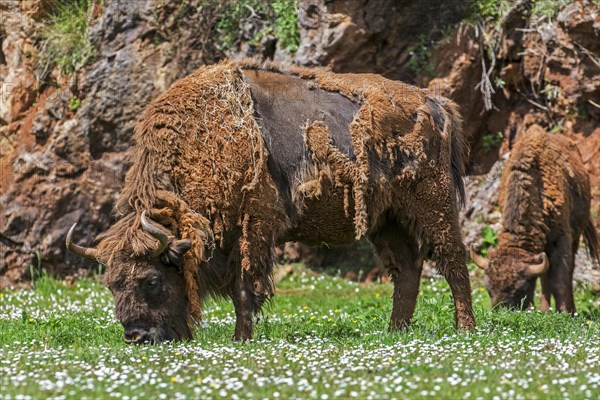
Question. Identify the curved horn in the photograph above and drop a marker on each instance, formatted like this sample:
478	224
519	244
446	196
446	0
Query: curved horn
477	259
86	252
541	267
150	227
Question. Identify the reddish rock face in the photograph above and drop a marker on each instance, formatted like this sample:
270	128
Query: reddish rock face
370	36
549	79
59	166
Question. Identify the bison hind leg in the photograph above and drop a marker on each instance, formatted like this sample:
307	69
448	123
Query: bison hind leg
399	252
451	262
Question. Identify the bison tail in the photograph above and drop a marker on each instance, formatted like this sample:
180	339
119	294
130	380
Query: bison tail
449	122
591	239
460	150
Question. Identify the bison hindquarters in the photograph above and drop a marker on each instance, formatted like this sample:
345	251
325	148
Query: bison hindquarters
399	252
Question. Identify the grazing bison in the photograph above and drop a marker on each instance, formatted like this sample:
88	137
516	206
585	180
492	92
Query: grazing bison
241	156
545	200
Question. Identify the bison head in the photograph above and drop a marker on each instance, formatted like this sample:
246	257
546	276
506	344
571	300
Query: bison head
511	275
149	290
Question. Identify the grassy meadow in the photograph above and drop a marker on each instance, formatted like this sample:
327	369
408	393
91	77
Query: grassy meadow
322	337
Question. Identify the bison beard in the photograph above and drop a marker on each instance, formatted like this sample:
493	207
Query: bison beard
241	156
545	199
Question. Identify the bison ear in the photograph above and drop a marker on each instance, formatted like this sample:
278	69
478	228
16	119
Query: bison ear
176	250
540	265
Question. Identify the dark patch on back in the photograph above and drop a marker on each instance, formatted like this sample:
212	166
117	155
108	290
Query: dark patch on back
436	113
283	105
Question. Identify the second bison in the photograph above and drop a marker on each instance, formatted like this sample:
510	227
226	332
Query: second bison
545	201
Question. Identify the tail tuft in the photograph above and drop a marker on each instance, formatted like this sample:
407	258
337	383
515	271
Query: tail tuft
448	120
590	236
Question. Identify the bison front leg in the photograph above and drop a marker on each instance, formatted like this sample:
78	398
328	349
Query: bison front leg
244	301
253	283
399	253
560	273
562	289
250	291
545	300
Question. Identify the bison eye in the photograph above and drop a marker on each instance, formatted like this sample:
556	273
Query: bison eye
152	283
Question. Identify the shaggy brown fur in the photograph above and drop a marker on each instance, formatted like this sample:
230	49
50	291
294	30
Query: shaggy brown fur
241	156
545	200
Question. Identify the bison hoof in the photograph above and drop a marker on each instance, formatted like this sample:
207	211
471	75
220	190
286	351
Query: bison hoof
242	337
466	324
398	326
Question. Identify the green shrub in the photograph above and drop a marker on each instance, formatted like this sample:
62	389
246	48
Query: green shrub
489	10
493	11
279	18
491	141
489	240
421	56
228	26
548	8
64	40
74	103
286	24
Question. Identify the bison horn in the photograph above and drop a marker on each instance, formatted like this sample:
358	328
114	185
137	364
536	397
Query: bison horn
86	252
539	268
150	227
478	259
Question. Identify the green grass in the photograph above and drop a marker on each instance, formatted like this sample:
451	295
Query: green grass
322	336
64	41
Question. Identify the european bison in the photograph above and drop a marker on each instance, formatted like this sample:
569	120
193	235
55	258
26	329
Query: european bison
241	156
545	200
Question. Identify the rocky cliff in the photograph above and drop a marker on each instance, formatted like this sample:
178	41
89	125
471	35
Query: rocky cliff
65	128
64	136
